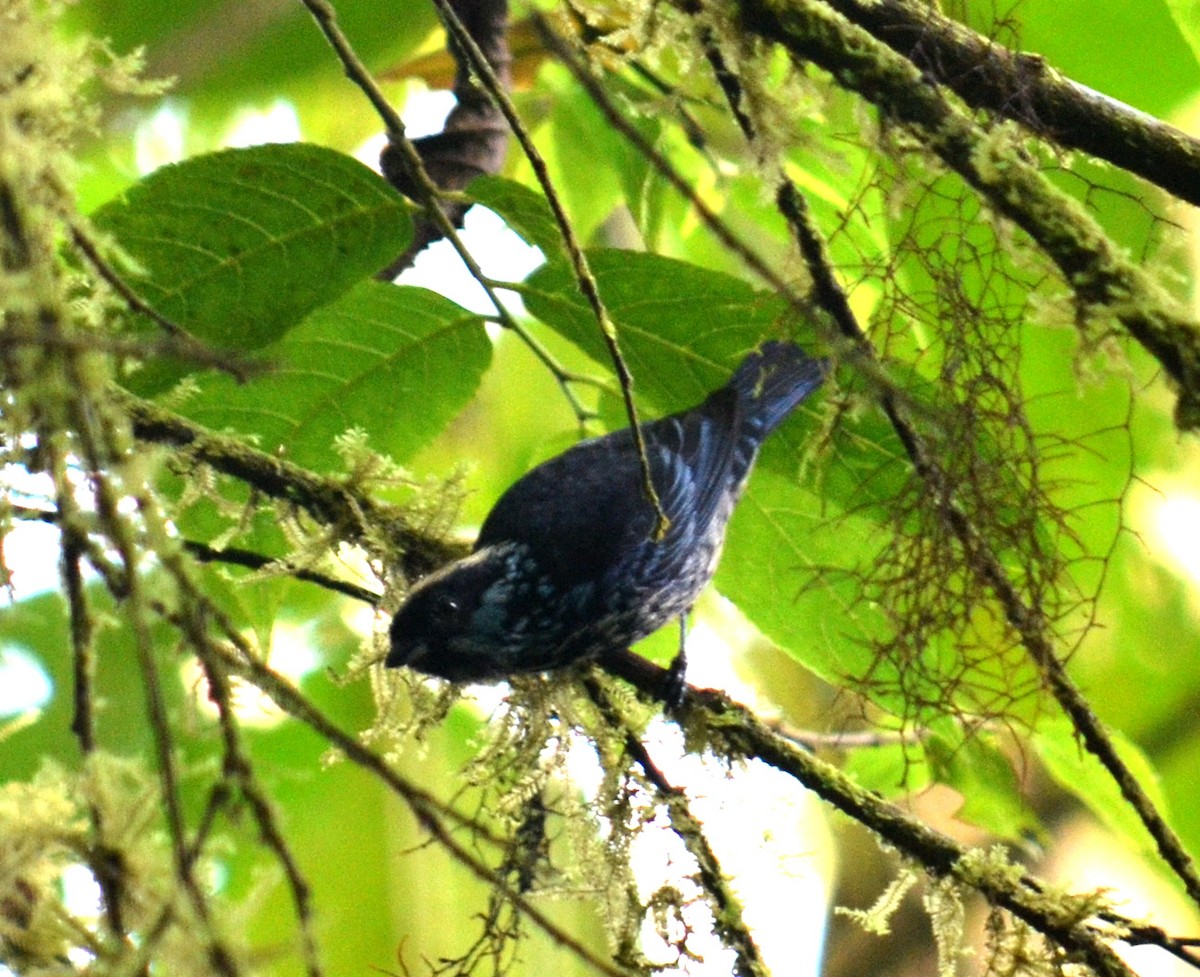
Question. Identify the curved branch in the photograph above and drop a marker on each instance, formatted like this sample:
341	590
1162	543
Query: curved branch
1095	268
474	139
331	501
1024	88
734	731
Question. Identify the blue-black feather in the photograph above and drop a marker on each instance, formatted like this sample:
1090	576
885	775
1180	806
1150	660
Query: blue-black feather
566	565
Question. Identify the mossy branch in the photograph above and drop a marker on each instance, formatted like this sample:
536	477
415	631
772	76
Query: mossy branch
978	553
1022	87
1102	277
334	502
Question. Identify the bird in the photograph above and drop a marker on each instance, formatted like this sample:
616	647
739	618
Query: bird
568	565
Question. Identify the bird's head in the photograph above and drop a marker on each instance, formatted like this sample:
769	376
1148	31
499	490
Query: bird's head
454	623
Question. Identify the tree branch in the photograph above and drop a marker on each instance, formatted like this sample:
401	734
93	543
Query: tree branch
1022	87
356	516
1101	276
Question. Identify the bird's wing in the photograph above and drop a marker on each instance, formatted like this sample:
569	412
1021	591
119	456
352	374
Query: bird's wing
584	510
699	448
577	511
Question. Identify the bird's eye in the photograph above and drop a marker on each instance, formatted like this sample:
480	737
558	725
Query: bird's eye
445	610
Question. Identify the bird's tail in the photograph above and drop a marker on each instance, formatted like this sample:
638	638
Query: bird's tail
772	382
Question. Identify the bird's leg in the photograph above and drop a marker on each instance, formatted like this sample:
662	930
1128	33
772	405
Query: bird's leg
675	685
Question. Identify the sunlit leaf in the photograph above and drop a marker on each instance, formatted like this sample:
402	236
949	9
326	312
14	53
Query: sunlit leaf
395	362
1080	773
238	246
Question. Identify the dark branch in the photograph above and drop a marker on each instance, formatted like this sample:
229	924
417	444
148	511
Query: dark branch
1024	88
474	140
735	731
356	516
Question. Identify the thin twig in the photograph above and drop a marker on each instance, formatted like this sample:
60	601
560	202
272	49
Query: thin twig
183	343
584	278
326	18
238	769
429	195
235	556
257	561
99	447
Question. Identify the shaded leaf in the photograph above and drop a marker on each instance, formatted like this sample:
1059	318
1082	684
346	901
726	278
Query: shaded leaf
395	361
524	210
1186	14
238	246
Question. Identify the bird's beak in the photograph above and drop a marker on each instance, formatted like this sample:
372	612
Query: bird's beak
405	652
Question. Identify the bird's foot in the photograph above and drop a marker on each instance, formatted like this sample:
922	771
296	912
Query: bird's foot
675	687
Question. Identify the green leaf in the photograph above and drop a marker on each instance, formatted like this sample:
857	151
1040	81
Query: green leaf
524	210
973	765
779	550
1187	18
1079	772
238	246
682	328
396	361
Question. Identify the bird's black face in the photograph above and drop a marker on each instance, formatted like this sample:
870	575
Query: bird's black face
454	622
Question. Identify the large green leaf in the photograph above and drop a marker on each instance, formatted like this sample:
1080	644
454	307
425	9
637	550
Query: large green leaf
1080	773
238	246
682	328
524	210
397	362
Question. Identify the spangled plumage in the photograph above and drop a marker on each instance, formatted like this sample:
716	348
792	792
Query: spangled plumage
565	566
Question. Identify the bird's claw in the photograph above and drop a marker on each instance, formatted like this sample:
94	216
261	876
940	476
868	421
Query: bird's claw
675	686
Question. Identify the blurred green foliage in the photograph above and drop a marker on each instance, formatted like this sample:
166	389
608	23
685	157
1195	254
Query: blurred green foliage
281	242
